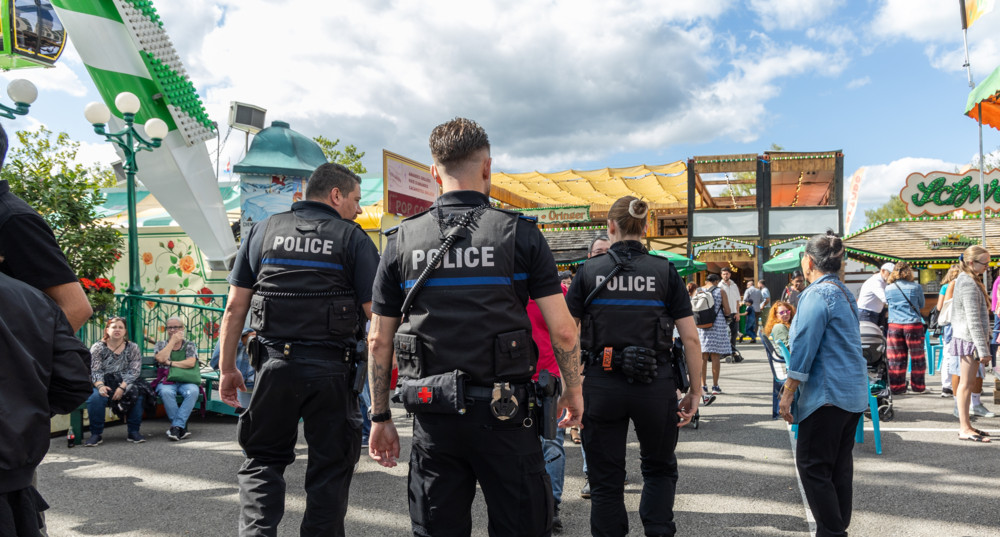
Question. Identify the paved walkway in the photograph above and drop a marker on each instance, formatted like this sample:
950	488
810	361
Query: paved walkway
737	477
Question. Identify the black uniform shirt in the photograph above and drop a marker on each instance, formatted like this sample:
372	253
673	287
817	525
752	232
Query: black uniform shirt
28	245
361	253
674	294
533	258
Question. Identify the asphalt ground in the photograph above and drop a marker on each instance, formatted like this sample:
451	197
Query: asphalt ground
737	476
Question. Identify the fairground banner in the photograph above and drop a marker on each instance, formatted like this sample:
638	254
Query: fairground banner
559	215
939	193
854	189
409	186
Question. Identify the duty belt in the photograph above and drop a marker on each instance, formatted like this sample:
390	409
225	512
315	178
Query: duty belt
291	351
606	357
485	393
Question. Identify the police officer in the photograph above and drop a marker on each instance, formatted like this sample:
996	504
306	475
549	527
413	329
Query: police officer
628	303
303	275
450	297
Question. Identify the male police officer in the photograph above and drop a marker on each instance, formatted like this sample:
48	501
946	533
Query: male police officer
303	275
465	352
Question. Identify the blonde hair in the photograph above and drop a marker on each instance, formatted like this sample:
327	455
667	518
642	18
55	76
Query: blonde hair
965	265
950	275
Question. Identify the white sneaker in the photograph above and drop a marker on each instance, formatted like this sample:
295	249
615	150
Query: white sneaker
981	411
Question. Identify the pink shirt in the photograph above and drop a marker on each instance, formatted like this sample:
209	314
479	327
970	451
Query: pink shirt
540	333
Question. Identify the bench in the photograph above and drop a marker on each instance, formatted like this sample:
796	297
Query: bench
148	372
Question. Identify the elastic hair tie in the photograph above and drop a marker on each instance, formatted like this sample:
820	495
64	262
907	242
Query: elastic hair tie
961	257
634	213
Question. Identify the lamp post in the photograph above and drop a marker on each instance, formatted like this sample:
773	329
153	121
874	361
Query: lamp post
130	142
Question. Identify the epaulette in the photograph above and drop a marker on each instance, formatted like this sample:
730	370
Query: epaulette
390	231
421	213
532	219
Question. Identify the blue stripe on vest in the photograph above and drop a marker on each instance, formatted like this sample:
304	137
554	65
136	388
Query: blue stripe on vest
450	282
301	263
520	276
627	302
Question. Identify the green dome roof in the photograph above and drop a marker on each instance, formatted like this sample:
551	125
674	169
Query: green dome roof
278	150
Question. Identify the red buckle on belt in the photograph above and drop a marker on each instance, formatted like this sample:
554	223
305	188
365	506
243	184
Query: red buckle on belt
607	358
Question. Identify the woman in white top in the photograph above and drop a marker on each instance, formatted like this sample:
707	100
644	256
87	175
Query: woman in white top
970	333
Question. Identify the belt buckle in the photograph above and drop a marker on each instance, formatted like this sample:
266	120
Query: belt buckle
504	403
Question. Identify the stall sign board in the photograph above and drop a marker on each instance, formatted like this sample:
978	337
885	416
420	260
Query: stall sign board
952	241
939	193
409	186
559	215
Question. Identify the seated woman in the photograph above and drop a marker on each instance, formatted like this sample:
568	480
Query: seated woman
176	352
779	320
115	364
242	363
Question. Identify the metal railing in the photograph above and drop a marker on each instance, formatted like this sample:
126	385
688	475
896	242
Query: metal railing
201	314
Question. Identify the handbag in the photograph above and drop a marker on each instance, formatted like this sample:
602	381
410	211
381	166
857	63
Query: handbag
180	375
944	317
922	321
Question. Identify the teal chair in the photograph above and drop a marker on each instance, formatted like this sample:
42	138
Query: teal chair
859	434
934	352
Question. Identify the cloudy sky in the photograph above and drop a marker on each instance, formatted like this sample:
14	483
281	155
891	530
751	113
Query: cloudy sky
583	84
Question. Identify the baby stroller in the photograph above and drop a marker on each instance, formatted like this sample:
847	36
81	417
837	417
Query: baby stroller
873	346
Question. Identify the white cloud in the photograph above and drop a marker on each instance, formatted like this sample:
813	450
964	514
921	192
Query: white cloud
859	82
54	79
838	36
884	180
792	14
601	80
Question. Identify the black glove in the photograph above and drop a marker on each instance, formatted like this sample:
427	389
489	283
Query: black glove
639	364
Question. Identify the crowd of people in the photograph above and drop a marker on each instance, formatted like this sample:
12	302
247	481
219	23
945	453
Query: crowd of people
620	334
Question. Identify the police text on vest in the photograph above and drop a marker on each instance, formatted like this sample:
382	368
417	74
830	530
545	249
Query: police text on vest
309	245
471	257
630	283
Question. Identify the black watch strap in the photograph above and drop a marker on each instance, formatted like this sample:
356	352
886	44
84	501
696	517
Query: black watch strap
380	417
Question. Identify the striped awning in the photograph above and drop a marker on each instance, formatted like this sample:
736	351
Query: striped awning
662	186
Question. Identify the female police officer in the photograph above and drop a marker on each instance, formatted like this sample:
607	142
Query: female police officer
628	303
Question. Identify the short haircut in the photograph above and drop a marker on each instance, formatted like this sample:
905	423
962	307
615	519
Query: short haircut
726	269
329	176
456	141
176	318
713	277
593	242
826	251
3	145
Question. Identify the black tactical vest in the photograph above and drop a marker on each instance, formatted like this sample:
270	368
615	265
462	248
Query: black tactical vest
303	292
468	315
632	307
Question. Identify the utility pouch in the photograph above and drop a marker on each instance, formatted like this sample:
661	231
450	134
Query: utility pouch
359	375
258	313
409	355
664	335
437	394
342	318
256	352
548	389
514	355
679	367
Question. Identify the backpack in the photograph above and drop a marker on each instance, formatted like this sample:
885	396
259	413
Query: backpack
703	307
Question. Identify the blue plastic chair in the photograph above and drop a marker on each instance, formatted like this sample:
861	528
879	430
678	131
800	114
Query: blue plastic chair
859	435
934	353
778	375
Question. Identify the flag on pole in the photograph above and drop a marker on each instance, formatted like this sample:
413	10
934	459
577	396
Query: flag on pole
973	9
852	197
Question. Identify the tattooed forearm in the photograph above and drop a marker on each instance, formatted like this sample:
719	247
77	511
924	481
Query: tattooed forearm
380	378
569	362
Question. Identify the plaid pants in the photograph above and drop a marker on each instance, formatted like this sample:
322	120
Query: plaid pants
903	338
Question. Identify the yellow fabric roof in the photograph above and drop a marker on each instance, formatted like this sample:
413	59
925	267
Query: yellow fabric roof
661	186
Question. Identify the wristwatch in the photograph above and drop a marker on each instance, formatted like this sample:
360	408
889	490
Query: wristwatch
380	417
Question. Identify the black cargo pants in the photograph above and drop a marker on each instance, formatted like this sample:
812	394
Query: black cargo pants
315	389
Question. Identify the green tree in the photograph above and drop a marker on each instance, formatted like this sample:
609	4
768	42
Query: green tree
894	208
43	172
349	157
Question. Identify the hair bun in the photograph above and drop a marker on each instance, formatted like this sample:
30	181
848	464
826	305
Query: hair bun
638	209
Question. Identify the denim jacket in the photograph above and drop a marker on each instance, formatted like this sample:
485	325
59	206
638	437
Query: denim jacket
900	311
826	354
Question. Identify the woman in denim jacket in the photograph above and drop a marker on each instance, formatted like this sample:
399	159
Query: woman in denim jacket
830	376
